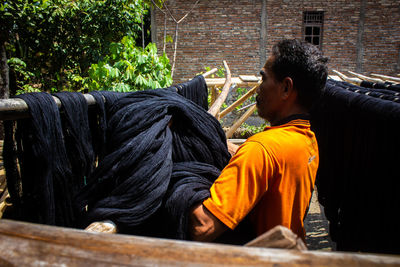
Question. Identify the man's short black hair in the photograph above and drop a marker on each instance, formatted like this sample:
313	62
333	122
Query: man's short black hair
305	64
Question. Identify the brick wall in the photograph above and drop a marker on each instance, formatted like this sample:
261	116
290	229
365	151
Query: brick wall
382	37
230	30
213	32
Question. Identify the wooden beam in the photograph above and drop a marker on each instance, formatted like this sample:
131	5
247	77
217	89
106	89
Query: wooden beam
25	244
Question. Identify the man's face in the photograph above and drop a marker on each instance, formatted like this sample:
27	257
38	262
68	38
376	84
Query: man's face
269	93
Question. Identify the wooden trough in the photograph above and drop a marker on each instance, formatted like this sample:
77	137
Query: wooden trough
24	244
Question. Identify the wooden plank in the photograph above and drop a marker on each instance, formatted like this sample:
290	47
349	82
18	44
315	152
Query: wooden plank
24	244
249	78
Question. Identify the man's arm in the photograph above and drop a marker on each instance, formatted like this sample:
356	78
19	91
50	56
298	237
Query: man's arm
204	226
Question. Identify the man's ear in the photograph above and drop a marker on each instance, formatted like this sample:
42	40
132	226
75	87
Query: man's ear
287	86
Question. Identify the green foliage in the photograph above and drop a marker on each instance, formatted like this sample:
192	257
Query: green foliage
129	68
58	40
242	91
251	129
24	76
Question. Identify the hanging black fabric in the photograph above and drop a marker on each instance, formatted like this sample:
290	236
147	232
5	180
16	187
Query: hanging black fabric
194	90
98	119
358	177
42	191
77	137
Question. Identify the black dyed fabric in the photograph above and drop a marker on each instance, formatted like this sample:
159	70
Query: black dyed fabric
77	137
41	191
194	90
141	159
149	133
358	178
385	94
386	85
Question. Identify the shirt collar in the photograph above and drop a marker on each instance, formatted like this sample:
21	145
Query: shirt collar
293	117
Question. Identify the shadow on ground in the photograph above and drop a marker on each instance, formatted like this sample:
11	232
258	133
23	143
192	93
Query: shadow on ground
317	227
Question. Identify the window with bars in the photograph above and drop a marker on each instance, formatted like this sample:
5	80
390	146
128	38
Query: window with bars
312	30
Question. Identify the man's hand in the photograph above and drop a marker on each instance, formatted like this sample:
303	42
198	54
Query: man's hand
102	227
232	148
204	226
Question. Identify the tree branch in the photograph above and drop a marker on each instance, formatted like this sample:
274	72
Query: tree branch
195	4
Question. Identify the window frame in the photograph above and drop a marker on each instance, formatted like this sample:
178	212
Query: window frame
313	24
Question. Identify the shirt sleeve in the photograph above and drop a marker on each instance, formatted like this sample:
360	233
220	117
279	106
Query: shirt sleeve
241	184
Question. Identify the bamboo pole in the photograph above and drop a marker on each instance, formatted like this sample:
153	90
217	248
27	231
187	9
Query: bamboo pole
239	101
366	78
214	110
388	78
239	122
237	80
208	73
355	81
16	108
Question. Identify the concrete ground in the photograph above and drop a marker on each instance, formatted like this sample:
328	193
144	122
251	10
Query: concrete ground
317	227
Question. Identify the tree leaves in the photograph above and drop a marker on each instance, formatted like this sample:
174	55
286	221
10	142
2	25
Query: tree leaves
130	68
54	37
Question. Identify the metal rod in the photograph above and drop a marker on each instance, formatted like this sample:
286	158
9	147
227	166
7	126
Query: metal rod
247	106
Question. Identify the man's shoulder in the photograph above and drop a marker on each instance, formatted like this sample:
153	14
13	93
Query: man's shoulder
281	136
269	134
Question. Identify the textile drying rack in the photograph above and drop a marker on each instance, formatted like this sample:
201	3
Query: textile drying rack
49	245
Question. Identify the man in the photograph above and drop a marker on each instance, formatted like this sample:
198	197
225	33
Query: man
272	175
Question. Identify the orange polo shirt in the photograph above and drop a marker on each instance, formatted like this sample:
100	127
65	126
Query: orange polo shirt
271	177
